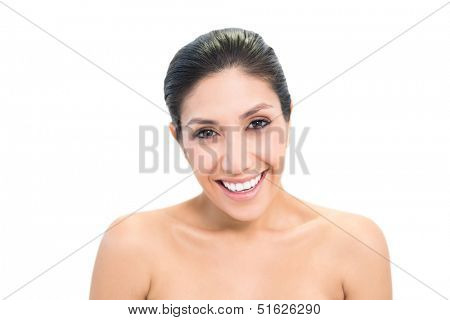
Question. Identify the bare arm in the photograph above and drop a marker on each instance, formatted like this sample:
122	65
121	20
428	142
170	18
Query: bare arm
120	270
367	274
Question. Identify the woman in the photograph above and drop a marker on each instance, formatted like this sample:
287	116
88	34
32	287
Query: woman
244	236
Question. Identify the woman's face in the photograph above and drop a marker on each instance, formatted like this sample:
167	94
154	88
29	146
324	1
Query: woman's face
235	136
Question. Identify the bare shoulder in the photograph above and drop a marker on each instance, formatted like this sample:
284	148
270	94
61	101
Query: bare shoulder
135	228
361	234
363	255
123	264
347	226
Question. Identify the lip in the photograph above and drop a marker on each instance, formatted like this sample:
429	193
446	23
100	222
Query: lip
243	195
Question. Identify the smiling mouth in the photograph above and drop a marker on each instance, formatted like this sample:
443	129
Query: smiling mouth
242	187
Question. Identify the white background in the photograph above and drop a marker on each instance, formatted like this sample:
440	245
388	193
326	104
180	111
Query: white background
378	143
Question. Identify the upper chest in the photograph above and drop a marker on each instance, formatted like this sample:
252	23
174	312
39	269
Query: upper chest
201	266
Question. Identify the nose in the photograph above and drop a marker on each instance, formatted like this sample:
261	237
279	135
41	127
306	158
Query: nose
236	158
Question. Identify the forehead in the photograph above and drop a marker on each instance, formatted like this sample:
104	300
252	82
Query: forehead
226	95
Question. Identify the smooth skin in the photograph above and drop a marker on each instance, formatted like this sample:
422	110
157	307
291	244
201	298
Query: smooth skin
273	246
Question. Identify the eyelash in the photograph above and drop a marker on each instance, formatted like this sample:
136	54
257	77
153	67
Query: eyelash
198	133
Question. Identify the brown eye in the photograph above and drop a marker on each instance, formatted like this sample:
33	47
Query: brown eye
258	124
205	134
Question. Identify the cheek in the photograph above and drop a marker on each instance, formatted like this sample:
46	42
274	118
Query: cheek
202	157
269	147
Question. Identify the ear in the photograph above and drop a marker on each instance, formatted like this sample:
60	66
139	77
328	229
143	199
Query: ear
289	126
288	134
173	130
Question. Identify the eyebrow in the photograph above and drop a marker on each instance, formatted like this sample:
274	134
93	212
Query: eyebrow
246	114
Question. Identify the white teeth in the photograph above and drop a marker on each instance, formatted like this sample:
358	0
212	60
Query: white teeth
242	186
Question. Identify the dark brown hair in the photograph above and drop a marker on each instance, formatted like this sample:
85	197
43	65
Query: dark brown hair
215	51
